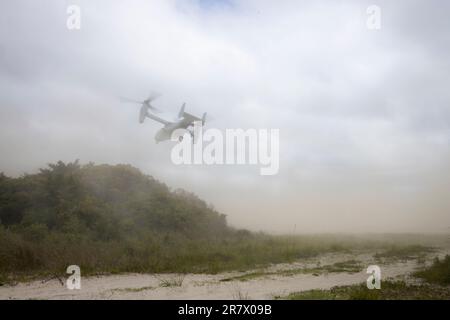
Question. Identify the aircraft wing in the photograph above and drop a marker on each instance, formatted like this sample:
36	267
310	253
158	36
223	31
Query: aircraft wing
145	114
159	119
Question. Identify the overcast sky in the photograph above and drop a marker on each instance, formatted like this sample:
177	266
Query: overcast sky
364	115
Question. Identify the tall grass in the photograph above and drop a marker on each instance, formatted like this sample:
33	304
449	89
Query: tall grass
169	253
390	290
438	272
109	219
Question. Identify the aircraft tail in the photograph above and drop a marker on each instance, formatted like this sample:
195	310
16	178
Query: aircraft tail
181	113
204	119
189	117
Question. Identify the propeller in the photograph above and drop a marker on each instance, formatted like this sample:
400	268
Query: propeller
146	104
123	99
153	96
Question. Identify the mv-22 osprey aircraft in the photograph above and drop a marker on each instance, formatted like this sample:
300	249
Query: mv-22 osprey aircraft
184	120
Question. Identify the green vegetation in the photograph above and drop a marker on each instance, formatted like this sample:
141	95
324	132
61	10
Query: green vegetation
438	272
390	290
111	219
249	276
402	253
140	289
350	266
171	281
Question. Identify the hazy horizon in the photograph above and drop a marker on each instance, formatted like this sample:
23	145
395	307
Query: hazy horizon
364	115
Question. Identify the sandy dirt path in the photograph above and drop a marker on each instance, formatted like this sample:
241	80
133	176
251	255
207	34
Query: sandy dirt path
205	286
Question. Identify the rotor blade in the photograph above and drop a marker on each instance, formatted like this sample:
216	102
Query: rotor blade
153	96
123	99
153	108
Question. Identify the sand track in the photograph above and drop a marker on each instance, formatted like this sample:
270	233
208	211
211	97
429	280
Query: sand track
205	286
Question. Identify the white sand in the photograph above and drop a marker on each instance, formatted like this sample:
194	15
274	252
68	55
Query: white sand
204	286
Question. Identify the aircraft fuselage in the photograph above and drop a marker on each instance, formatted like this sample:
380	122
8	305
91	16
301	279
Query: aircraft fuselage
165	132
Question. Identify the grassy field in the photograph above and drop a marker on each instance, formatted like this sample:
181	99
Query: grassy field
115	219
350	266
390	290
437	273
21	259
435	286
